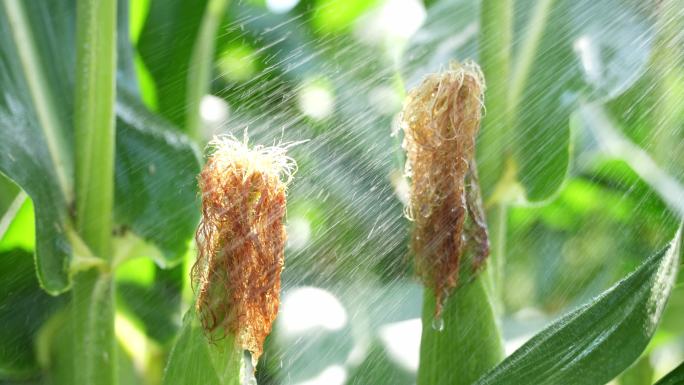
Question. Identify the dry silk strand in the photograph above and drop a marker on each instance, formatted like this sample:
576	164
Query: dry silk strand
440	120
241	241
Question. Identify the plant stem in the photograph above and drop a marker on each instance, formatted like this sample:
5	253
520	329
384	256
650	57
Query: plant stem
496	29
495	141
667	65
93	291
523	64
199	72
94	350
94	122
469	343
498	217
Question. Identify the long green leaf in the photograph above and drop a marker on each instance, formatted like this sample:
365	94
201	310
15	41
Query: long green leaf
596	342
155	180
537	110
496	20
34	148
201	65
166	45
46	109
569	48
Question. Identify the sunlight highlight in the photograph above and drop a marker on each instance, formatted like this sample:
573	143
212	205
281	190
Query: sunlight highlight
402	342
589	56
281	6
134	343
394	20
307	308
299	233
316	101
332	375
213	110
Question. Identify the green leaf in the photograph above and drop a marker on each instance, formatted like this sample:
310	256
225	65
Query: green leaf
606	132
675	377
577	52
165	45
34	149
604	36
193	360
155	169
155	180
201	65
8	193
23	309
596	342
542	109
160	322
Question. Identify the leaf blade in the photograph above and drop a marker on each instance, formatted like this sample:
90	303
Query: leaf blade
155	180
25	150
596	342
194	360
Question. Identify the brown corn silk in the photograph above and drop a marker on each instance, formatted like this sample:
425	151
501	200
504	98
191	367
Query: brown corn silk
241	241
440	120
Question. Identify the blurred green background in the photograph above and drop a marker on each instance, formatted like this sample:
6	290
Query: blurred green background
608	77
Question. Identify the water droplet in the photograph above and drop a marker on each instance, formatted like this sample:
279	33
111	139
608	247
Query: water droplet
438	324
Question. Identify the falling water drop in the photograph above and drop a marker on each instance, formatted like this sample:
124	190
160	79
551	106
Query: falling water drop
438	324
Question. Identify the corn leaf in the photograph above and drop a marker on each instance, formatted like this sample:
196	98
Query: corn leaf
596	342
155	168
194	359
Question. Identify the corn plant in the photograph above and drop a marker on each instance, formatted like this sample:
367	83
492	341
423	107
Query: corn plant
460	164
